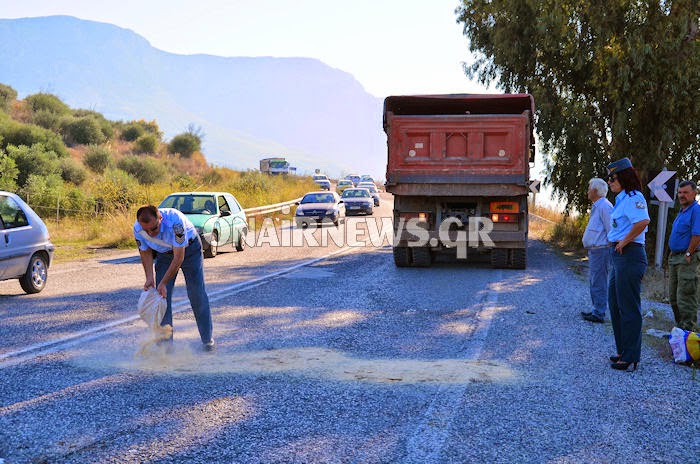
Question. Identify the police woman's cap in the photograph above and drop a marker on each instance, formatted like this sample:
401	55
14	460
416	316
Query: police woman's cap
619	165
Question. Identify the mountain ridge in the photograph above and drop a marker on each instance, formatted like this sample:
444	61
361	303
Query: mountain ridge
248	107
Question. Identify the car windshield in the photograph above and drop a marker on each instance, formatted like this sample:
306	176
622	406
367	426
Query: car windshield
320	177
278	164
344	182
356	194
318	198
191	204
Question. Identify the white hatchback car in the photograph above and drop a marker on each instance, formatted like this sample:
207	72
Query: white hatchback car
25	249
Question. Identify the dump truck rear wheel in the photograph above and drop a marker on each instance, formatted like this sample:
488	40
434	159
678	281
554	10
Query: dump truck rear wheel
519	258
421	257
402	256
499	258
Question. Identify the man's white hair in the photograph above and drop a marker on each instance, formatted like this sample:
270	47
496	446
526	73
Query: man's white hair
599	185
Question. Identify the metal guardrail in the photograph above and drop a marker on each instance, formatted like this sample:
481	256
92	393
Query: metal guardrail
269	208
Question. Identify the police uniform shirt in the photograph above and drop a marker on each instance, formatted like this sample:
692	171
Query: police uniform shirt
175	232
686	224
629	209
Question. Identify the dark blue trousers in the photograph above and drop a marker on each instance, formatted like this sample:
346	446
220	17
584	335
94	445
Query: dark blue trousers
624	299
193	270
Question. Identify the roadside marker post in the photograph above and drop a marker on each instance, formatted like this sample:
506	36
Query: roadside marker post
660	187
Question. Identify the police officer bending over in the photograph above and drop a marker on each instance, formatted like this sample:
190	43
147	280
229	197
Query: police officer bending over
168	237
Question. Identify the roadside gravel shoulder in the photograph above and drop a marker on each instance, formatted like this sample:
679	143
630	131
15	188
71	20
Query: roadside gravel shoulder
568	405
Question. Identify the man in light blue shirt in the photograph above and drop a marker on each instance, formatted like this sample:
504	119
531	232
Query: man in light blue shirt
595	240
168	237
684	259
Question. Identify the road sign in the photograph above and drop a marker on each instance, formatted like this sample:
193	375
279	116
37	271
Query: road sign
663	186
535	186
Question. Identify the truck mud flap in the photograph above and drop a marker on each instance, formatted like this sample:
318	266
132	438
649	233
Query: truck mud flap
512	258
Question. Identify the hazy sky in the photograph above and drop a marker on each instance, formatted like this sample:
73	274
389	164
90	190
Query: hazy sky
390	46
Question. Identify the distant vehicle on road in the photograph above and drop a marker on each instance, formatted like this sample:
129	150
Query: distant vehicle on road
357	201
366	178
372	190
318	207
355	178
323	182
25	249
343	184
274	166
217	216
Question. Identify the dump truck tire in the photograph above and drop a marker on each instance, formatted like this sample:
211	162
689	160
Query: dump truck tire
421	257
519	258
402	256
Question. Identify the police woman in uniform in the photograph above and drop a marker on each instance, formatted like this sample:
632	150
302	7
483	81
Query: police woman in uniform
629	220
177	245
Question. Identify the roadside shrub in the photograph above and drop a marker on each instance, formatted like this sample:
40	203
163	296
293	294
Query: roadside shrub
47	120
106	126
8	173
147	143
97	158
146	170
85	131
117	191
76	202
183	182
151	127
17	133
132	132
7	96
185	144
34	160
41	192
47	102
72	171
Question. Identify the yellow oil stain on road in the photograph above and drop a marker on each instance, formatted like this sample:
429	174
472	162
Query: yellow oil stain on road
313	362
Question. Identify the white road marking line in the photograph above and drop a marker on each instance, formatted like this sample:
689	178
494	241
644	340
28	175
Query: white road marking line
52	346
427	442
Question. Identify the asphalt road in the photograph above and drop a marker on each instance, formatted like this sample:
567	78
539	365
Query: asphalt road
332	354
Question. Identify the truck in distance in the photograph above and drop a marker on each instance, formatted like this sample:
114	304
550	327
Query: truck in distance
274	166
458	167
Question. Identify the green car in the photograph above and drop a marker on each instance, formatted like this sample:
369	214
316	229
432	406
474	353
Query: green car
218	217
343	184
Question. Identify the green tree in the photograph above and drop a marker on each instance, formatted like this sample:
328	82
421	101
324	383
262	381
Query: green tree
17	133
8	172
48	102
185	144
84	130
97	158
145	169
132	132
72	171
36	160
147	143
7	96
610	79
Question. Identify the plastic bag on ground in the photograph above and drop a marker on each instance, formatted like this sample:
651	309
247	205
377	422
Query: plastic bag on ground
685	345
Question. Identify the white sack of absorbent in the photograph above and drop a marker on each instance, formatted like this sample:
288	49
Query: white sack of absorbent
151	308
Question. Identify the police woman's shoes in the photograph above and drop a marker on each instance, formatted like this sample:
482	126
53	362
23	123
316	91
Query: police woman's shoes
615	358
585	313
623	366
593	318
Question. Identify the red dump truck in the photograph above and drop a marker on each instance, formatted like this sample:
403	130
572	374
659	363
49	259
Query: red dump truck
459	169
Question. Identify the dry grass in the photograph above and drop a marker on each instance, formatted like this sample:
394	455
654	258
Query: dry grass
79	237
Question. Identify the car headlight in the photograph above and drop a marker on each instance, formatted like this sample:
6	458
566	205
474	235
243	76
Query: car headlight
300	212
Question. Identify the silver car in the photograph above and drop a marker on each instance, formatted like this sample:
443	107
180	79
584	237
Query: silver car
25	249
